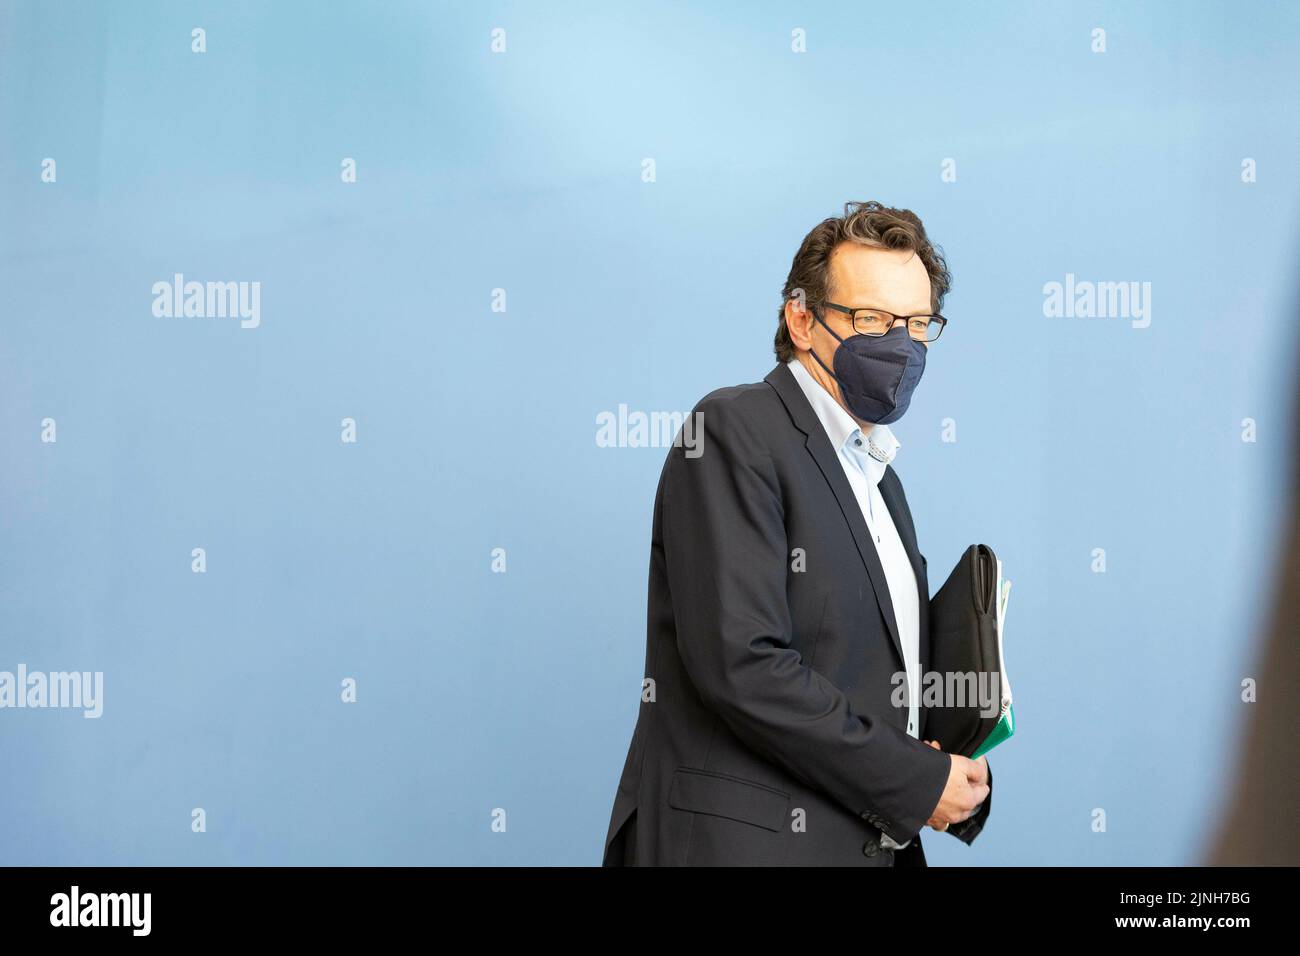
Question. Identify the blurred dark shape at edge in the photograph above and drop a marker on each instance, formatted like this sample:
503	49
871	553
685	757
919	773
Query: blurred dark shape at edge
1260	827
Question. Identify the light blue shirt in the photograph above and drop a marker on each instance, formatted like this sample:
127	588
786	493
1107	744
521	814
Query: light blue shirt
864	459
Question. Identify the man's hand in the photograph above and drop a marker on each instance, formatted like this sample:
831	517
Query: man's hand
968	787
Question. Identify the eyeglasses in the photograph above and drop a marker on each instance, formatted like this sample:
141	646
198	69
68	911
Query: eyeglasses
923	328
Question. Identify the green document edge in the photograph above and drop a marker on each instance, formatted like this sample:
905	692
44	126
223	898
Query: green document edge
1004	729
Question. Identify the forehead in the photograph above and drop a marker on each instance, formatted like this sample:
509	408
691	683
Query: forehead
868	276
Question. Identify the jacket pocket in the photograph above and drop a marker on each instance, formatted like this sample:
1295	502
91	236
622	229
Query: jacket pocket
720	795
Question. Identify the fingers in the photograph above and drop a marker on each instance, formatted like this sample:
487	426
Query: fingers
970	802
977	771
981	794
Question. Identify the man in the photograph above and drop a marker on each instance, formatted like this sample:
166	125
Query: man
787	590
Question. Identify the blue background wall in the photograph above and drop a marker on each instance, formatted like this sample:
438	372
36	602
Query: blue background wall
476	429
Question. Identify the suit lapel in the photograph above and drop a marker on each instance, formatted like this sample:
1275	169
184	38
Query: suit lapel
819	447
892	491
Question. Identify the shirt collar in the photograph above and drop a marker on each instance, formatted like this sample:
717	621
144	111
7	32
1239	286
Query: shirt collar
880	444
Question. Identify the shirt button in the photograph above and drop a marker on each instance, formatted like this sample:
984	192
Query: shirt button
857	441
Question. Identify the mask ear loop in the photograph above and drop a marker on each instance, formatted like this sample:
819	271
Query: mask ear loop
818	357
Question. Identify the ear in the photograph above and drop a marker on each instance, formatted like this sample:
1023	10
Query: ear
799	320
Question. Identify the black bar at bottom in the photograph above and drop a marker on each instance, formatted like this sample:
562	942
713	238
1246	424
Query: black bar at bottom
368	904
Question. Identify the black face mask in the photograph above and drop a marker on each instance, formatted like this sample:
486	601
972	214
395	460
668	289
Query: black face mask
877	373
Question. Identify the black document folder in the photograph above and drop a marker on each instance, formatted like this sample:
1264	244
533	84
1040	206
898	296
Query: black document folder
974	713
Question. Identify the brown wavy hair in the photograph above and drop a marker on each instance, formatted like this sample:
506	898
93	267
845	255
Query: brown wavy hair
870	224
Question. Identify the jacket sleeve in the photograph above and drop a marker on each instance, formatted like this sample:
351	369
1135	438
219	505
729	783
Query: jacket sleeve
727	559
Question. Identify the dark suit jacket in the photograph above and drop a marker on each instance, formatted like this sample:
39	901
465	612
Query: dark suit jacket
771	738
